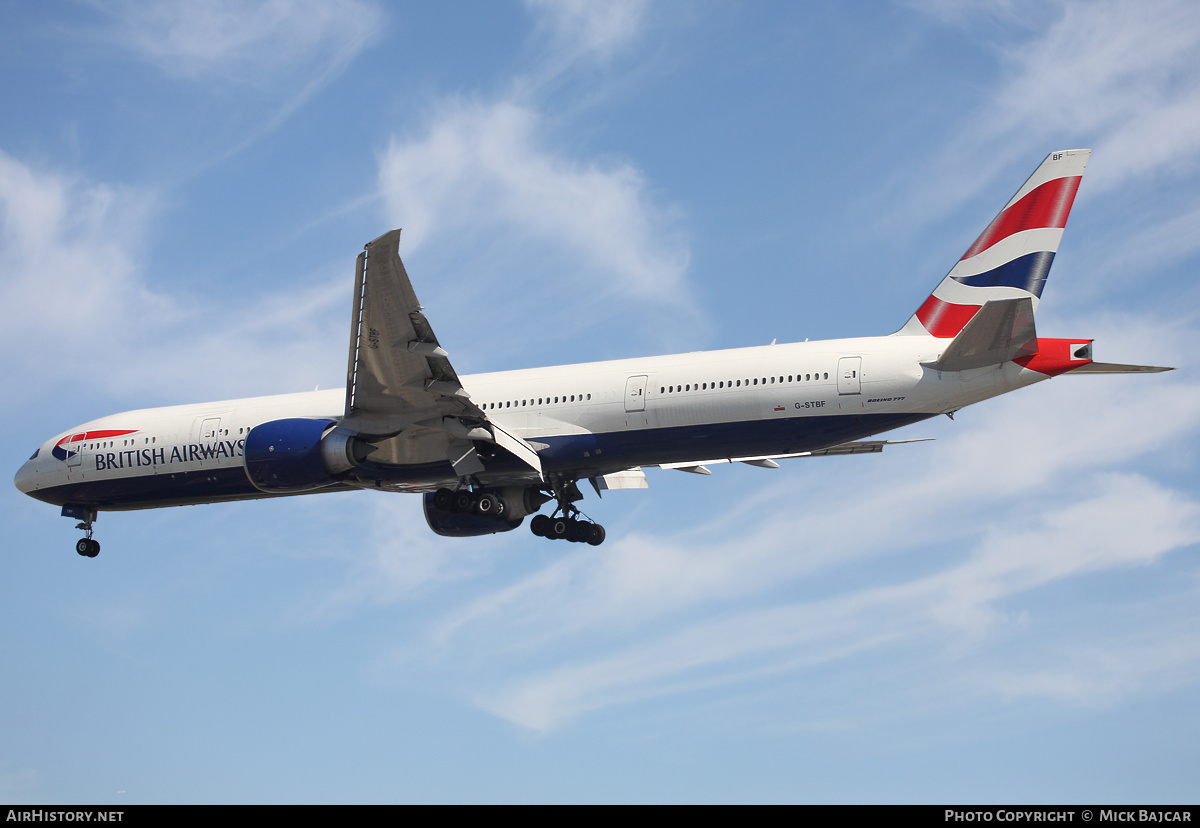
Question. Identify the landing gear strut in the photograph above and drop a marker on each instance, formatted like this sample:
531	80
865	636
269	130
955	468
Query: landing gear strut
564	522
85	546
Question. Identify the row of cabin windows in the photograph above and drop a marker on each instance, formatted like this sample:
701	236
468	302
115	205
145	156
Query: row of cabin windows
706	386
151	440
540	401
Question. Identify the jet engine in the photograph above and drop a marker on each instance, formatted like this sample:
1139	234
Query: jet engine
300	455
464	524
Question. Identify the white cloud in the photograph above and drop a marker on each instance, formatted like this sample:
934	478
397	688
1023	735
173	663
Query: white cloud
582	29
69	268
256	42
939	547
20	786
1098	673
556	231
1117	76
76	306
1130	522
1124	72
401	561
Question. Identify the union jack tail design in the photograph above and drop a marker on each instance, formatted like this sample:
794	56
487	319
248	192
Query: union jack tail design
1012	257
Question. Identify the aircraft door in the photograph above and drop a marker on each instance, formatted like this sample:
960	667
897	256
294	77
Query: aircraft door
849	375
206	437
635	394
210	428
75	450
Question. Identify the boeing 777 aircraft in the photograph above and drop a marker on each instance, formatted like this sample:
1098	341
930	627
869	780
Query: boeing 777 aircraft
490	449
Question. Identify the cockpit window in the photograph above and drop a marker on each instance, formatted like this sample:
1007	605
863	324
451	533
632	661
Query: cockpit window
35	453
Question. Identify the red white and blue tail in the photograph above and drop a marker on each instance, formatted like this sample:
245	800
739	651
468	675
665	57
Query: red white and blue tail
1012	257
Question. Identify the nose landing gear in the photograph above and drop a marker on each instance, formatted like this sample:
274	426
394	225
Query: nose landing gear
85	546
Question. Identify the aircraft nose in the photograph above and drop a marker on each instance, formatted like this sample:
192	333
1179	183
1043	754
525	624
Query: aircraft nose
26	479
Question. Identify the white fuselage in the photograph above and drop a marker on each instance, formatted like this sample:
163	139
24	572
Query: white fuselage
592	418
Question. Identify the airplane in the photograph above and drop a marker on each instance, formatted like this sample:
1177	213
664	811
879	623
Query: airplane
488	450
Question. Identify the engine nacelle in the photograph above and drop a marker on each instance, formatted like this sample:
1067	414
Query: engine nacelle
299	455
464	524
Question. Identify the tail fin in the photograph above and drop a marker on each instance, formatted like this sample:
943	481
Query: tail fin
1012	257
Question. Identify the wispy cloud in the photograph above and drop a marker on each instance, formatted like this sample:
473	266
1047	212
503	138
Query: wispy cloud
74	297
793	577
1120	71
558	232
68	252
259	42
402	561
578	29
275	54
1116	76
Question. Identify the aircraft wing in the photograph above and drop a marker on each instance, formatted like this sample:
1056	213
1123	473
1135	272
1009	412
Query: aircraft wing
402	394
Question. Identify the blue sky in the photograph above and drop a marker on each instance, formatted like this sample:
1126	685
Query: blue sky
1007	614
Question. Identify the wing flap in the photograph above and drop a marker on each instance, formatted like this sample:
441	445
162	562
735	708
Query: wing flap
768	461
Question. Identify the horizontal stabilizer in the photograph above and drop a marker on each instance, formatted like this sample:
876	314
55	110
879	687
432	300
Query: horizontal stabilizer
1117	368
1002	330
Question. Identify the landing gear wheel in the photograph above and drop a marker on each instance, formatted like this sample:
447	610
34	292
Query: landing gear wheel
558	528
486	504
540	526
87	547
464	501
443	499
597	537
579	531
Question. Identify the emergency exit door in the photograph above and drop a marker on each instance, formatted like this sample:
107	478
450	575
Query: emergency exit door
849	376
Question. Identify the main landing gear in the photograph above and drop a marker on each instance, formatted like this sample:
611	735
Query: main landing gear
567	528
564	522
85	546
464	501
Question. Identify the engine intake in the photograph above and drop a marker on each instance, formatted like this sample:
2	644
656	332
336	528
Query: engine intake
300	455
